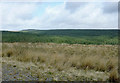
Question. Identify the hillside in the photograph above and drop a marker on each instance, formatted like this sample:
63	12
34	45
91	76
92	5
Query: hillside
74	32
70	36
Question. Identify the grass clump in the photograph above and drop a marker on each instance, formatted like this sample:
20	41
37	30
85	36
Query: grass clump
113	77
9	53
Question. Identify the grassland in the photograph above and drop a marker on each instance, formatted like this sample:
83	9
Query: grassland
63	62
63	55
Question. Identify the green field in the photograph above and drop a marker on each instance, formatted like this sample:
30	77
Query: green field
70	36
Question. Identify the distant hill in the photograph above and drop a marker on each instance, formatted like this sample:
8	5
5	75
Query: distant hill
71	36
74	32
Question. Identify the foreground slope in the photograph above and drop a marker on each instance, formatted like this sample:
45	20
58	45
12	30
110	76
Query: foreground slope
60	62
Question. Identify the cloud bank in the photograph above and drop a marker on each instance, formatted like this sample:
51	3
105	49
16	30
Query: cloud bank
55	15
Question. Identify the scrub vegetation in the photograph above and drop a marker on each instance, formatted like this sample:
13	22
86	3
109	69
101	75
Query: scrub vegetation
59	62
61	55
96	37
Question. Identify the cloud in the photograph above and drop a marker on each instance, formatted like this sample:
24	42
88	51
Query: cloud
0	17
73	6
89	16
111	7
18	16
16	13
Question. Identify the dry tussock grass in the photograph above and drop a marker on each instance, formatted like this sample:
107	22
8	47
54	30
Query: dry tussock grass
63	56
113	75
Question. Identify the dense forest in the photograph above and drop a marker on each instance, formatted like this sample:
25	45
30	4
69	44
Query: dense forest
70	36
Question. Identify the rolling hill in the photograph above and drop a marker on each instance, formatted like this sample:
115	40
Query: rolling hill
70	36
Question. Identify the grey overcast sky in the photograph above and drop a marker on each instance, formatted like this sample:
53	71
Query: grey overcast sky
59	15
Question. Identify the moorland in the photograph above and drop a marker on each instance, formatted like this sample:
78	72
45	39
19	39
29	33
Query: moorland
60	55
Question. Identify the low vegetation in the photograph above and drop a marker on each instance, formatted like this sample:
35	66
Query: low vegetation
96	37
63	55
71	61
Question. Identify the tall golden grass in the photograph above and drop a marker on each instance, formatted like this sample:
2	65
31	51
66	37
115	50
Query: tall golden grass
64	56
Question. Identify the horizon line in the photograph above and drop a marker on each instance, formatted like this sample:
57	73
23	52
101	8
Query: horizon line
59	29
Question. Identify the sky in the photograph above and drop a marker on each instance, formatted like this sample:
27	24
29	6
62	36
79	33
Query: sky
59	15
